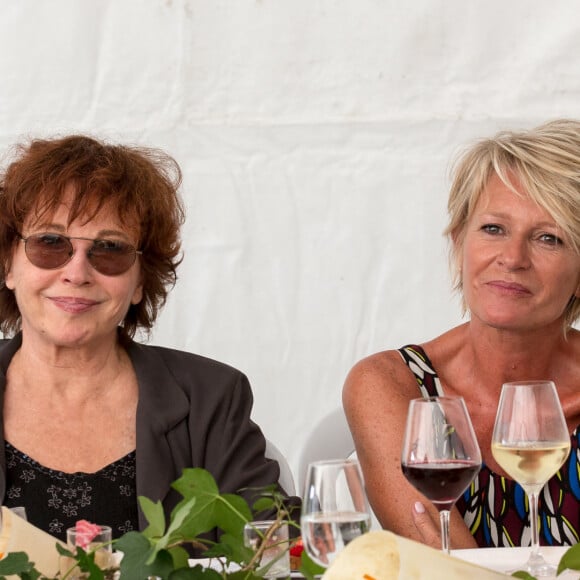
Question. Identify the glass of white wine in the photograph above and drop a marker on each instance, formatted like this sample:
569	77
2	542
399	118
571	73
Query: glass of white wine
531	442
334	508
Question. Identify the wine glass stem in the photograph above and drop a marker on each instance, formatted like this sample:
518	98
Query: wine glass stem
533	502
444	518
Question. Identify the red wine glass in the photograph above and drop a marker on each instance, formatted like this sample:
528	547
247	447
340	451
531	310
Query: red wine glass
440	454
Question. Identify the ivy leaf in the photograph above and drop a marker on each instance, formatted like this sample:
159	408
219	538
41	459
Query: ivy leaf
232	513
34	574
570	560
263	504
523	574
232	548
198	483
64	551
15	563
180	515
196	573
179	556
155	516
163	566
309	568
201	519
136	550
174	533
86	562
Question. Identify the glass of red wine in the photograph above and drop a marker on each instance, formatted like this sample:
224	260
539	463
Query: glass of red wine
440	454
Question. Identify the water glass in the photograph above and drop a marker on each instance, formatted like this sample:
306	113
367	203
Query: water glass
100	543
334	509
275	560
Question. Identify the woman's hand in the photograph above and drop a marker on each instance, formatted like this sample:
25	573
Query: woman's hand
428	527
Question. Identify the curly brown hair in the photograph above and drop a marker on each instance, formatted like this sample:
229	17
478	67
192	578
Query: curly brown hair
140	183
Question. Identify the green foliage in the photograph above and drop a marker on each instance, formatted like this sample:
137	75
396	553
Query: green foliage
85	561
161	549
309	568
570	560
17	563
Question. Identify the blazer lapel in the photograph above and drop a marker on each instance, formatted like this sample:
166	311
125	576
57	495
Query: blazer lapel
162	407
7	350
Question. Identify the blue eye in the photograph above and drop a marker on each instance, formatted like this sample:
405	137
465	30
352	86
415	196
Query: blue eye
492	229
551	239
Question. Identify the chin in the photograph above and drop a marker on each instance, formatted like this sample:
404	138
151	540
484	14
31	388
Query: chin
507	321
70	337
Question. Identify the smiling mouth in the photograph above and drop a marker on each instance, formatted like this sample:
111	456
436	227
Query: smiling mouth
74	304
508	287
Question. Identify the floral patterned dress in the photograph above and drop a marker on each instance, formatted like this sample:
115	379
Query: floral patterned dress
494	507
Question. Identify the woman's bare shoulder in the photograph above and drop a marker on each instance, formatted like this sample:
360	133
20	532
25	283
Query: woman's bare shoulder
377	364
381	374
387	372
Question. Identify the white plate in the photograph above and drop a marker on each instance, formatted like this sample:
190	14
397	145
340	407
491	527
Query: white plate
510	559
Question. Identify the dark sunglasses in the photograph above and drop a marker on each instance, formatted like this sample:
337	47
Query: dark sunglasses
51	251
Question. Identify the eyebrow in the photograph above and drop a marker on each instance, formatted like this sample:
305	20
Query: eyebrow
491	215
61	228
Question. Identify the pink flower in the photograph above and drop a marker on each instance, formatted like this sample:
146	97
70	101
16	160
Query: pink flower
86	532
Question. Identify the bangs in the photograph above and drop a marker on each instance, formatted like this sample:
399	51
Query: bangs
83	206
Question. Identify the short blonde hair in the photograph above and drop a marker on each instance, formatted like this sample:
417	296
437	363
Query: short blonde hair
544	161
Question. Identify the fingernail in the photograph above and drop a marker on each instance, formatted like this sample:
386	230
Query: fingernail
419	507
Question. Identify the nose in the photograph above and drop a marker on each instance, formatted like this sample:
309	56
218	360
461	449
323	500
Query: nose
514	254
78	270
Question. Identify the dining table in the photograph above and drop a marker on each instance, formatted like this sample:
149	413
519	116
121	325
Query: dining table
508	560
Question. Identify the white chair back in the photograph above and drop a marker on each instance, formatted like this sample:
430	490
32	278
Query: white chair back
330	439
286	479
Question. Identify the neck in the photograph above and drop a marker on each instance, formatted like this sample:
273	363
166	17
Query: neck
84	372
516	355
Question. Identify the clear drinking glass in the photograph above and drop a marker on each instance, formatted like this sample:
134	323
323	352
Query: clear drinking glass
100	544
334	508
440	455
275	561
530	442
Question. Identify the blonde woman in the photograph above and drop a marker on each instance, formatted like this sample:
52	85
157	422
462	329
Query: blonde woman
514	232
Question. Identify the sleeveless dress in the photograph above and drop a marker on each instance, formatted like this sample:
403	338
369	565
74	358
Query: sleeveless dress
495	507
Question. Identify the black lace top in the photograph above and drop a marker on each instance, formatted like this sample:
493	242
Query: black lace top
54	500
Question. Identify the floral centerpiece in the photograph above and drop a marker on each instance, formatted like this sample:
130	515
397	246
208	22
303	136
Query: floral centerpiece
161	550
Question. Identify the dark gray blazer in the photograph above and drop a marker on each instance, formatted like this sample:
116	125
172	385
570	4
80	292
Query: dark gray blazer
192	412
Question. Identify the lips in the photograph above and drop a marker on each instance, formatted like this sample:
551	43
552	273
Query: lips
509	287
74	305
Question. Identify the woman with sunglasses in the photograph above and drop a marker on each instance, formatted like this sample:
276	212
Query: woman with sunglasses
89	247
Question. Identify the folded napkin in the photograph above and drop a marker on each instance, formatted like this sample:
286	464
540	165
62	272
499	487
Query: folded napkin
17	535
382	555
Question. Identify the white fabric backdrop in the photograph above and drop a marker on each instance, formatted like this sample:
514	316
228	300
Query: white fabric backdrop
315	138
